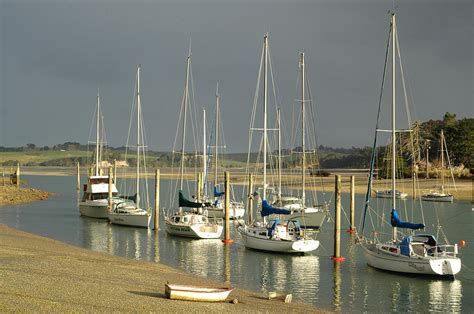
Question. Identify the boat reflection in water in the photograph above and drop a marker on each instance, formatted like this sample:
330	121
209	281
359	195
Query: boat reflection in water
204	257
445	294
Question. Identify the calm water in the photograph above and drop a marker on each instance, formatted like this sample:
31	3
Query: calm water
313	278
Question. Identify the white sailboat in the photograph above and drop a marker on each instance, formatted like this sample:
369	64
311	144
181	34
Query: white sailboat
440	195
310	217
95	198
414	253
276	236
129	213
215	205
192	224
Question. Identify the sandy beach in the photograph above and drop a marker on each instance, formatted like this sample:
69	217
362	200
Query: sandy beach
43	275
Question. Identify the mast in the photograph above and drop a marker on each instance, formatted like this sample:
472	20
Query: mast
265	85
303	155
185	103
97	136
204	155
138	138
442	160
394	28
279	152
216	140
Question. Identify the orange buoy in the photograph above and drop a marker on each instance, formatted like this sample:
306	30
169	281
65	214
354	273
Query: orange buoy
462	243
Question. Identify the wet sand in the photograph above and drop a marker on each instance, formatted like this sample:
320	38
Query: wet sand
38	274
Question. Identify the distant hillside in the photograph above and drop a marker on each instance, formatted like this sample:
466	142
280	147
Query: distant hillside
459	136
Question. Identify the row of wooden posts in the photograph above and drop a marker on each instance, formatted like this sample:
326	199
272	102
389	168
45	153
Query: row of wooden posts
337	219
13	177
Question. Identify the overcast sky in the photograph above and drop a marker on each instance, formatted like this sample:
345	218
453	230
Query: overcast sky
54	55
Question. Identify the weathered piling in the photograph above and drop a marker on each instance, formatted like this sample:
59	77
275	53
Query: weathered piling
78	178
337	223
156	221
250	200
17	174
110	189
199	186
227	239
115	171
352	205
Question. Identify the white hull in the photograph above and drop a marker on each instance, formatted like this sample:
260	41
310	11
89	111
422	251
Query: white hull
384	194
196	230
195	293
94	209
413	265
283	246
235	212
131	220
437	198
306	220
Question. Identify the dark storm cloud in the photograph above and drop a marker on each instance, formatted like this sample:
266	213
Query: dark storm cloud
55	54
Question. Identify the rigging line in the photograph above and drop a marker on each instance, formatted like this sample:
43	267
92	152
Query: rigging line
371	172
407	107
252	118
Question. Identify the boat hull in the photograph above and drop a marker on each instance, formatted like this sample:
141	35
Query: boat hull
256	243
235	212
448	266
446	198
194	231
94	209
130	220
195	293
306	220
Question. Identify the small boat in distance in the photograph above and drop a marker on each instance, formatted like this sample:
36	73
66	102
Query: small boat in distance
440	195
196	293
388	194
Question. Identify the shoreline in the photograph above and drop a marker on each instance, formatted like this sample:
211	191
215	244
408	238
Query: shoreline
464	187
42	274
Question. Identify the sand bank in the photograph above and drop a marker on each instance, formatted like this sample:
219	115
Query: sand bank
38	274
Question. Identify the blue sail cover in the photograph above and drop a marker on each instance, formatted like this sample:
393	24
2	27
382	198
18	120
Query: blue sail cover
267	209
217	193
396	222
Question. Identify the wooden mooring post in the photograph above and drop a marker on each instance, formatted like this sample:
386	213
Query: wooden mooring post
337	223
78	177
227	239
250	200
156	221
17	174
352	227
110	189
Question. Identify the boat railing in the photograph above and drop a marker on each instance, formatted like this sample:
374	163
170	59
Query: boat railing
214	221
442	251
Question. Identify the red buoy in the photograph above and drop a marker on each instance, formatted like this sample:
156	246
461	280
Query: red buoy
462	243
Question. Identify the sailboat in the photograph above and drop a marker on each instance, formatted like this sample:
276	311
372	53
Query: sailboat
310	217
414	253
95	198
440	195
214	205
129	213
193	223
276	235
